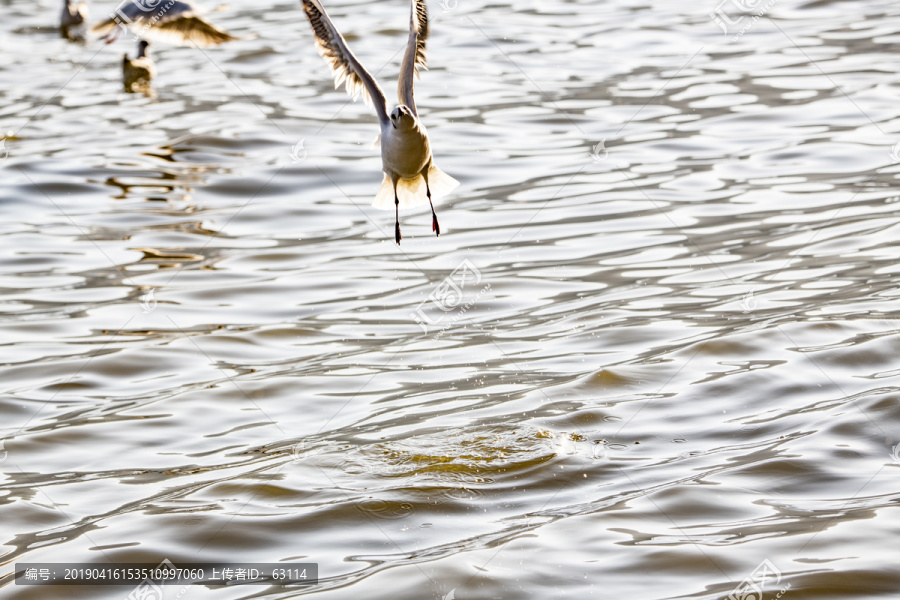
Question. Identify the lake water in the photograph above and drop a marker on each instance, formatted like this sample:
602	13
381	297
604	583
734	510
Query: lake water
653	354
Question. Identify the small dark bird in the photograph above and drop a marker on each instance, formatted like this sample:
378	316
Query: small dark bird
137	72
73	20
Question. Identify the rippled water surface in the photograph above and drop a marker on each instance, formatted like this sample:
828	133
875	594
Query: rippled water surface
655	345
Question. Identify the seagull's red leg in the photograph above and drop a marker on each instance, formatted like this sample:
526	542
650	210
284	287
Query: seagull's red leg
435	226
111	37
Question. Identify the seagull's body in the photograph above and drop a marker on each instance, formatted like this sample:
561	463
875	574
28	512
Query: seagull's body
73	19
410	175
174	21
137	72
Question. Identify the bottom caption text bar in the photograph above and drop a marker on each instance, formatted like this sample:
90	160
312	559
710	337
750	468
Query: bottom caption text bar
167	573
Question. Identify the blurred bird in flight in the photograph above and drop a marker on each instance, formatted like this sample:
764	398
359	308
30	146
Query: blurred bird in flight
174	21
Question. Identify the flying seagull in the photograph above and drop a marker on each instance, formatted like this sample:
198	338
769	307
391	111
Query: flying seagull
405	152
73	19
137	72
175	21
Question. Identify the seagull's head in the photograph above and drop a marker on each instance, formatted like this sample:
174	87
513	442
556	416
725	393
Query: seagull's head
402	118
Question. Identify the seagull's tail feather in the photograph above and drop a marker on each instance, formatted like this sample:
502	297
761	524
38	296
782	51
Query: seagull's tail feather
440	183
412	192
384	199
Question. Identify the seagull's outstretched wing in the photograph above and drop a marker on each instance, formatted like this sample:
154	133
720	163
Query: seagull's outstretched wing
189	28
415	53
345	66
175	22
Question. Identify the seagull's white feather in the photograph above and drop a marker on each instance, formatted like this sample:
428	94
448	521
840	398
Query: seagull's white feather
344	64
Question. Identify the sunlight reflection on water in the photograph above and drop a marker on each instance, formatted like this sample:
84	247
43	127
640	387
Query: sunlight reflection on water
678	356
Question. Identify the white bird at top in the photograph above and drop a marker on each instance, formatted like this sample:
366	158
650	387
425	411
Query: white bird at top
406	156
